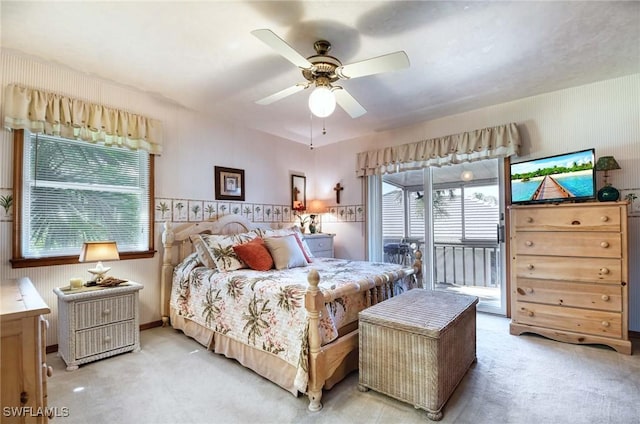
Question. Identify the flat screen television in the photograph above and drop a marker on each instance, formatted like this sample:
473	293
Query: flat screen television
569	177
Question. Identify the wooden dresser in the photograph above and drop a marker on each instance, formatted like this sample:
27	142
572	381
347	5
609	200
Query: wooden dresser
23	353
569	272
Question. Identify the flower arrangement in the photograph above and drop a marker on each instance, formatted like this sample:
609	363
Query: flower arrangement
298	213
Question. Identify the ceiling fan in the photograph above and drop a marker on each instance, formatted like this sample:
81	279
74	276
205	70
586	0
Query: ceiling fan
322	70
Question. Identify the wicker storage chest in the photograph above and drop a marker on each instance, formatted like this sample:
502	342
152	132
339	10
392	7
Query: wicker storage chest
417	346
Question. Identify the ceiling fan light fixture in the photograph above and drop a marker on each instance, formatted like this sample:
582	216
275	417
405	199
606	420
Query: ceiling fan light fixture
322	101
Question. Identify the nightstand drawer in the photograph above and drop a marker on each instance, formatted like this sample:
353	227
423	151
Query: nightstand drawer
318	244
103	339
92	313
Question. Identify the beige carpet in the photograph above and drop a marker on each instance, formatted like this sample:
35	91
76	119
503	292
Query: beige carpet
517	379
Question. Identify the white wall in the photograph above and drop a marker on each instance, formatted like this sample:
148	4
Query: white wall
603	115
193	145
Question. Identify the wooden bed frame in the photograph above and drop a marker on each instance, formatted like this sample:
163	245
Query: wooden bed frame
329	363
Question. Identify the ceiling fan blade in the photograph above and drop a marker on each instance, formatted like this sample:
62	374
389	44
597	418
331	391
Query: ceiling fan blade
348	103
386	63
282	94
281	47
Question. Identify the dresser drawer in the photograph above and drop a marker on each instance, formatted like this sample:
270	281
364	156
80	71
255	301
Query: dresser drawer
320	246
97	312
601	218
585	244
103	339
604	297
586	321
603	270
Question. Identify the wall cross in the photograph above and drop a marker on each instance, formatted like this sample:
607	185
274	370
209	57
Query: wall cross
338	189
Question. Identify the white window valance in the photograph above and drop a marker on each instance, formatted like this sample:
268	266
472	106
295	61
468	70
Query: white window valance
53	114
493	142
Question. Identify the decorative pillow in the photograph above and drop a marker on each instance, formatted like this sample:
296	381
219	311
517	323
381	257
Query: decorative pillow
295	230
255	254
285	251
203	252
220	247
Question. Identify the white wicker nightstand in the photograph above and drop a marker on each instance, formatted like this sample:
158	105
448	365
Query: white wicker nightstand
95	323
320	244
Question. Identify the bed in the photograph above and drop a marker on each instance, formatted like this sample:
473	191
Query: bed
295	326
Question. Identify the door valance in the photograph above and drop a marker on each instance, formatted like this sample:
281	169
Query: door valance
492	142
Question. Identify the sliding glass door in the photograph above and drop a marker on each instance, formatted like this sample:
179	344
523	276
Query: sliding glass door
454	215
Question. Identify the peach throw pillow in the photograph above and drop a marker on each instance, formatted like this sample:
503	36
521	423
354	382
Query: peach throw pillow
255	254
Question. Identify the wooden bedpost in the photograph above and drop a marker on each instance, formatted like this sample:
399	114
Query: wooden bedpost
314	302
167	272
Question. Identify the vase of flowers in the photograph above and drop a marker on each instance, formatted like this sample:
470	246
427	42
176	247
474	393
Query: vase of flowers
298	213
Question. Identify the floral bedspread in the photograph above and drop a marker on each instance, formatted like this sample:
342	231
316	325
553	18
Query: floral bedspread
265	309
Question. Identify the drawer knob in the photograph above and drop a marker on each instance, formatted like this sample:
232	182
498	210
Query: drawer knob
106	312
529	219
529	290
604	218
107	339
605	297
530	313
530	266
49	371
528	243
605	323
604	270
604	244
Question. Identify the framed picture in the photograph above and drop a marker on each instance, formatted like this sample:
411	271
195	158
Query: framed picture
229	183
631	195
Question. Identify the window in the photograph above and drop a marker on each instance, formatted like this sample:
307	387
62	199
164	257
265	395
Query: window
74	191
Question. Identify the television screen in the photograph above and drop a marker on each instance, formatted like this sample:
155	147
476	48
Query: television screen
560	178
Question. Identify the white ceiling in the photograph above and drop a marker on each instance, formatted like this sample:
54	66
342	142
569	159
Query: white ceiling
464	55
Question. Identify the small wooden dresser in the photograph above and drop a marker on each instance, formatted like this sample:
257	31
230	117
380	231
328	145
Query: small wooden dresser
569	272
23	353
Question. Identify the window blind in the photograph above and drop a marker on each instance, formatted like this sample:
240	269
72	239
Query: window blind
75	191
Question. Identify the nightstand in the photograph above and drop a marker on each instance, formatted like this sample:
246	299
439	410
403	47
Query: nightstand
320	244
97	322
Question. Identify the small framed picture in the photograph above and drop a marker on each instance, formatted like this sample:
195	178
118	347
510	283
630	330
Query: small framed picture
229	183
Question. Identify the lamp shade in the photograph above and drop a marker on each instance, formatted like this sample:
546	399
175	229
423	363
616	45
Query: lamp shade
606	163
316	207
93	251
322	101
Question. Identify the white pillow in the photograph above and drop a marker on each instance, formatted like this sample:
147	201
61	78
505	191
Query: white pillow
285	251
291	230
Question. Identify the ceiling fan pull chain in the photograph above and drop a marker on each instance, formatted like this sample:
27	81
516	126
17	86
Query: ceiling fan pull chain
311	131
324	130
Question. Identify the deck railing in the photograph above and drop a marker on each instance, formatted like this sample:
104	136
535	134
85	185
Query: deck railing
457	263
466	264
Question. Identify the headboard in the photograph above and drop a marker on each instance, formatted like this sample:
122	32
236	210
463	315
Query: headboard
177	246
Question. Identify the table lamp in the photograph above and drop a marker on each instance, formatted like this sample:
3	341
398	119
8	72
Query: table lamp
316	209
98	251
607	193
